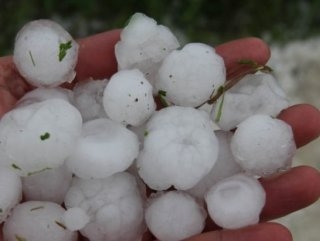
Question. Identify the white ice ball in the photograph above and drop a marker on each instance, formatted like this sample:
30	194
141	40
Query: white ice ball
174	216
45	54
34	220
128	98
104	148
191	75
179	149
235	202
263	145
39	136
75	218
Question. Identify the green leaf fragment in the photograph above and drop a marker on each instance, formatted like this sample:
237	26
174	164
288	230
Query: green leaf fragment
146	133
219	112
32	59
15	166
162	92
163	101
61	225
63	48
36	208
45	136
39	171
19	238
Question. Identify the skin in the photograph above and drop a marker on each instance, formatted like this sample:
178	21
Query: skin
286	192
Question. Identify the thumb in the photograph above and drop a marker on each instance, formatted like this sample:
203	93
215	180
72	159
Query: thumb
260	232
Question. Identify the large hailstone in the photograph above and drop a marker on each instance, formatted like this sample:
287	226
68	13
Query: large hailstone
104	148
114	206
143	45
88	97
45	54
11	192
174	216
37	221
179	149
224	167
189	76
39	136
263	145
236	202
128	98
254	94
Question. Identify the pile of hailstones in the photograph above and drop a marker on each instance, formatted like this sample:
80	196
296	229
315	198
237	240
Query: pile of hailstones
96	149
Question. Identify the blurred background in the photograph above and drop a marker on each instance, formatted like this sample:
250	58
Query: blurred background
290	27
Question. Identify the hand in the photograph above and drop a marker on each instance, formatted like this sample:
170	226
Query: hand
286	193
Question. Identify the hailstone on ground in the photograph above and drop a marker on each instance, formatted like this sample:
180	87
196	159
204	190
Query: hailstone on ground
189	76
143	45
263	145
88	99
254	94
128	98
45	54
11	192
114	206
37	221
39	136
179	149
235	202
174	216
104	148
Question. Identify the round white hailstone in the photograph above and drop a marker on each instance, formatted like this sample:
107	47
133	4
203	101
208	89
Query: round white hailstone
143	45
114	206
191	75
174	216
41	94
236	202
224	167
179	149
34	220
263	145
11	192
45	54
128	98
48	185
88	99
39	136
254	94
104	148
75	219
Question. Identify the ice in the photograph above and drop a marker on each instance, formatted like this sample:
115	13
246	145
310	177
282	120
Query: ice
255	94
34	220
235	202
45	54
179	149
174	216
143	45
263	145
128	98
115	207
11	192
39	136
88	98
105	147
224	167
48	185
191	75
75	219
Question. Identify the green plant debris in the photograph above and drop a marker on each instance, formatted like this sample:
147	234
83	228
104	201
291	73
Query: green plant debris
146	133
39	171
15	166
1	211
162	94
32	59
256	67
36	208
219	112
63	48
19	238
61	225
45	136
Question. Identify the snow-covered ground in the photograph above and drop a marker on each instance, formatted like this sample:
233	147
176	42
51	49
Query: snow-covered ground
297	66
